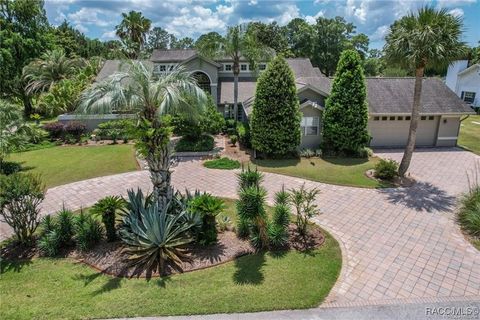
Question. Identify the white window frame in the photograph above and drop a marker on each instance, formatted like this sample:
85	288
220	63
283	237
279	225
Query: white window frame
225	65
262	66
471	96
310	122
243	65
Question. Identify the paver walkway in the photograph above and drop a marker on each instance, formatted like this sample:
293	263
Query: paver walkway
397	244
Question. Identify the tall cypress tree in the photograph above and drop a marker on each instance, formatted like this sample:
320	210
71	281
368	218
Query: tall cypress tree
275	119
346	112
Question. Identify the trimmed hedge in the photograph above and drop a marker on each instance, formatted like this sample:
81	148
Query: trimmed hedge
222	163
203	143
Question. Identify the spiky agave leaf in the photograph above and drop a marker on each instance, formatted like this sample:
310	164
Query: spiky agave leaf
153	237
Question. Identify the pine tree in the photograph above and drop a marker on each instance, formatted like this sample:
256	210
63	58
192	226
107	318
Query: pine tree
346	112
275	120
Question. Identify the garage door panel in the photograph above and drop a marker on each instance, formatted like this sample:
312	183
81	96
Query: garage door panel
394	133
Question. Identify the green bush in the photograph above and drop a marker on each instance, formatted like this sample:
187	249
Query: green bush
20	198
303	201
65	227
243	133
233	139
222	163
249	178
345	117
251	208
307	153
107	209
201	143
49	244
186	126
74	131
88	232
116	129
469	213
275	119
278	229
212	121
9	167
386	169
208	207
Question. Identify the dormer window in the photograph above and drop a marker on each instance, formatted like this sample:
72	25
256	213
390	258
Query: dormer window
163	68
262	66
243	67
227	67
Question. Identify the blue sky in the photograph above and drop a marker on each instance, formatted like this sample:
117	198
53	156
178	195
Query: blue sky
191	18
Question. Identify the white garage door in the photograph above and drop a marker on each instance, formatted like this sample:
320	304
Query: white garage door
392	131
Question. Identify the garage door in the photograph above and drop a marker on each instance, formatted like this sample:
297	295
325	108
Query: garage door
393	131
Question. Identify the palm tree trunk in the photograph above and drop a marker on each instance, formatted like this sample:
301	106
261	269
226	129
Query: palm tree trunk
236	71
412	134
159	166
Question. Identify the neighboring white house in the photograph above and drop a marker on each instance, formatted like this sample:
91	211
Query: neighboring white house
464	80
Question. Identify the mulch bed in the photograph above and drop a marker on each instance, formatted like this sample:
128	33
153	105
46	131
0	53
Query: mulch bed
407	181
108	257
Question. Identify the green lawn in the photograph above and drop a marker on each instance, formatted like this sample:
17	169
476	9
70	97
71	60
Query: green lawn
62	288
61	165
470	134
341	171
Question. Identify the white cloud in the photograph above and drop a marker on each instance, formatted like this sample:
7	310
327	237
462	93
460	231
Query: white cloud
88	16
313	19
457	12
109	35
81	28
380	33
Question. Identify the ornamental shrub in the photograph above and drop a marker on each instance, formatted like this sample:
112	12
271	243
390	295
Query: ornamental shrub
75	129
208	207
212	121
54	129
386	169
275	120
201	143
243	133
20	198
469	213
345	117
107	209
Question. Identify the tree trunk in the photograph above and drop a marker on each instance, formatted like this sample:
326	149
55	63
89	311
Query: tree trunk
412	134
236	71
27	106
159	166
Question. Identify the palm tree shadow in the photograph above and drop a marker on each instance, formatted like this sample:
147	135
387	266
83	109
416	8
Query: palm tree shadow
248	269
111	284
421	197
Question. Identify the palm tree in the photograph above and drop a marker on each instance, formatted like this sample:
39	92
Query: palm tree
53	66
429	38
137	90
133	31
238	43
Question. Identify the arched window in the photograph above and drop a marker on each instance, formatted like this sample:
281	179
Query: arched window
203	81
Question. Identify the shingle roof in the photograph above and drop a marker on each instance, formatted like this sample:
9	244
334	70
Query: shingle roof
302	67
111	66
321	83
246	89
395	95
172	55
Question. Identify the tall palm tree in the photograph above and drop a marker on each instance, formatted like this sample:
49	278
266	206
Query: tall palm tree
429	38
238	43
53	66
137	90
133	31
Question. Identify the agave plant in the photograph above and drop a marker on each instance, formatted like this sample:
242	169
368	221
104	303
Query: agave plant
153	236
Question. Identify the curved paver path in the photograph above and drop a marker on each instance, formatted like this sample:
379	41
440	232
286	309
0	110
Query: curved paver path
398	244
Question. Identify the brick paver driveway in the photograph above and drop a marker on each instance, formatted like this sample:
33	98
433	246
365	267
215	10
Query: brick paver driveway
397	244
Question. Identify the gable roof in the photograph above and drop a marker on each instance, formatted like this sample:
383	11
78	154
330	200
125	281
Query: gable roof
471	68
246	90
172	55
109	67
395	95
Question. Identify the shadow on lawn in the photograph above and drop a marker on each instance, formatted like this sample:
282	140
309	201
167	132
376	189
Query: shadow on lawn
421	196
248	269
276	163
14	256
112	283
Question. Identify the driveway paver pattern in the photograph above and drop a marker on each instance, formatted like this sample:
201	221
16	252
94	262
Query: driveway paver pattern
397	244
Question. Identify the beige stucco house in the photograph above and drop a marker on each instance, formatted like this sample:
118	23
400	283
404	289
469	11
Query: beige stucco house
389	99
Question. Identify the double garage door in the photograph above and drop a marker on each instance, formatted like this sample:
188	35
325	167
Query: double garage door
393	131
